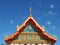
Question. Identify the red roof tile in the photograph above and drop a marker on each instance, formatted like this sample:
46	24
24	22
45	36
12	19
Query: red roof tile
32	20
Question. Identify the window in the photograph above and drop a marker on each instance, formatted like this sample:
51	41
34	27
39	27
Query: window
36	44
24	44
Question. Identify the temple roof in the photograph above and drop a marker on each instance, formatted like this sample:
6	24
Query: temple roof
37	26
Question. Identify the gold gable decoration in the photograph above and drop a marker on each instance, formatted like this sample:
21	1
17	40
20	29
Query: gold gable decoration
17	27
43	28
30	28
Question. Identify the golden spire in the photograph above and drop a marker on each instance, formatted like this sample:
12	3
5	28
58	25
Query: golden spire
30	11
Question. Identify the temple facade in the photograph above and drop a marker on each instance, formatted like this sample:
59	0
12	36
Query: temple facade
30	33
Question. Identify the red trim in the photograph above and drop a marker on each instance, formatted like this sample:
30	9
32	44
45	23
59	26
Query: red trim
31	20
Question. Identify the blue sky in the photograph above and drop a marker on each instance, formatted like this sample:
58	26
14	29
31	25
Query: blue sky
15	12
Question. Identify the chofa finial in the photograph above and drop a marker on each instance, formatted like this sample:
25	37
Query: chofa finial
30	11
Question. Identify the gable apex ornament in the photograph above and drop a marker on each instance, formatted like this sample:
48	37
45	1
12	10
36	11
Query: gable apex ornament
30	11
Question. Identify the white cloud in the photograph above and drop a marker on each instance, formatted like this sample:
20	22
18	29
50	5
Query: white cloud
11	21
50	12
23	17
48	22
51	5
45	14
53	27
50	25
38	17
